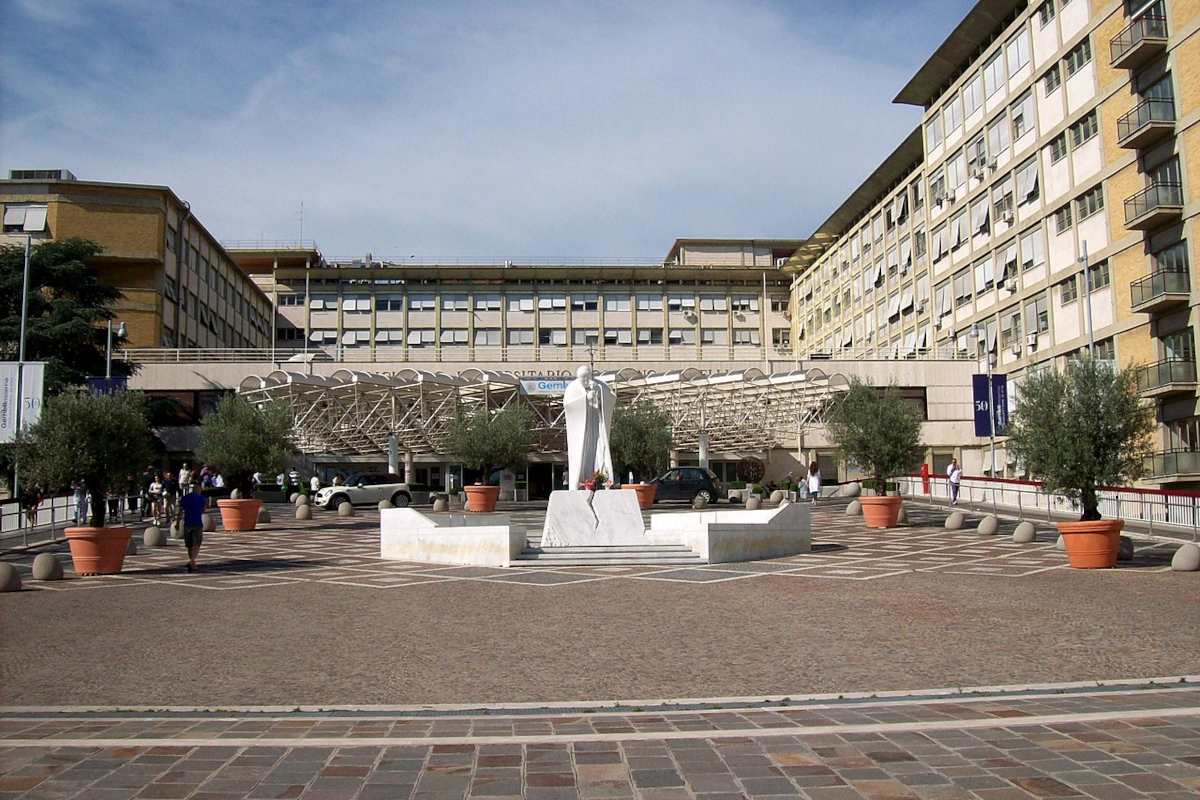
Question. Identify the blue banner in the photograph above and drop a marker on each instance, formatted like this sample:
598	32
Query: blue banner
990	412
100	386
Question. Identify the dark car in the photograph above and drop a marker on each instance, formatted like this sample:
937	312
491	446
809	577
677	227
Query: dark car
687	483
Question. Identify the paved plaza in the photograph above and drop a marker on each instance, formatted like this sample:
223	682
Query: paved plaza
298	663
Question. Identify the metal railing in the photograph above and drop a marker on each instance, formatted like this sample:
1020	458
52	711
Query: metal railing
1155	196
1157	284
1148	27
1163	512
433	353
889	353
1166	373
1142	115
269	244
1172	463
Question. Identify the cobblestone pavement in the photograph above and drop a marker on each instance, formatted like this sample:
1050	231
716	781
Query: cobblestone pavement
299	663
1115	741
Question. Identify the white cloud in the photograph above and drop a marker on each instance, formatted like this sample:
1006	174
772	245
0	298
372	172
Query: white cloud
470	128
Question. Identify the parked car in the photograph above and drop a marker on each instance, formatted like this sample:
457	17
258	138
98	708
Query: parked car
688	483
365	489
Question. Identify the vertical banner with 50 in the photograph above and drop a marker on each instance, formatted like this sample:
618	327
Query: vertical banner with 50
32	379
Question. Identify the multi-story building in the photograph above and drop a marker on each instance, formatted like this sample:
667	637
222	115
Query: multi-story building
1042	209
180	287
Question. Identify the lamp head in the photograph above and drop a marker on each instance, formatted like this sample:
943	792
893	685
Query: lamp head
122	330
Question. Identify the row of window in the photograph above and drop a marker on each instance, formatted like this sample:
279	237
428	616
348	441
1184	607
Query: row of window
527	302
528	336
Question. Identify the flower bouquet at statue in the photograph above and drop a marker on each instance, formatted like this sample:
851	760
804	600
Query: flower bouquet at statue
597	481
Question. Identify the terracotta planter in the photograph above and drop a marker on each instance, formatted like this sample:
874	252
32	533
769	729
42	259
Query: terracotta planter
481	499
98	551
239	515
1092	544
881	512
645	494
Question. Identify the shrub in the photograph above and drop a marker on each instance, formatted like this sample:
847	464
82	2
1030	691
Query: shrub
750	469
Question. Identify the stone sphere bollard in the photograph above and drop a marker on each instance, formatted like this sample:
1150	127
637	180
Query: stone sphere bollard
292	497
777	497
754	503
385	504
1187	558
1125	549
852	489
345	510
1060	544
854	509
209	524
701	502
131	547
302	500
988	526
441	505
902	516
47	567
263	514
1025	533
236	494
153	537
304	512
954	521
10	579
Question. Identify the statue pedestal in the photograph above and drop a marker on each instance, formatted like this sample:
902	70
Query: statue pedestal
575	518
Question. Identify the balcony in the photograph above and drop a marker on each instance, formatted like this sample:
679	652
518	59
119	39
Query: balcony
1165	378
1143	41
1160	291
1172	465
1154	206
1150	122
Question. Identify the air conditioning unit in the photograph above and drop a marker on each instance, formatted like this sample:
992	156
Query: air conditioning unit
920	306
1016	349
1007	218
1002	283
977	174
992	165
1031	340
939	199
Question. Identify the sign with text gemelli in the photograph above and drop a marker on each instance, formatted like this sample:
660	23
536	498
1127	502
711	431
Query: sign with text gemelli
996	405
554	387
30	402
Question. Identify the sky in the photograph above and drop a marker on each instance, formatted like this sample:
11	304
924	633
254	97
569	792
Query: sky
580	129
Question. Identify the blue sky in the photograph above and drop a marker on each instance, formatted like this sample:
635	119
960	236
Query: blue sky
458	128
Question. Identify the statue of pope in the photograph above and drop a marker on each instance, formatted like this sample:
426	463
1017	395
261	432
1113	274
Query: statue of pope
588	403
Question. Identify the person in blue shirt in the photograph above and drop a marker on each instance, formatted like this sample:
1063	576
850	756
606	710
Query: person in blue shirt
191	513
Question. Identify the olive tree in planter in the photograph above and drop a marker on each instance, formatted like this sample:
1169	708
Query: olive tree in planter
640	442
881	433
487	440
96	439
238	438
1076	431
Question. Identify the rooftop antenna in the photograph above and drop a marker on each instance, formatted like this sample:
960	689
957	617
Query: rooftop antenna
302	220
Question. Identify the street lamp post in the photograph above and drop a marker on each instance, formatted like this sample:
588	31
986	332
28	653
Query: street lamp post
121	331
16	487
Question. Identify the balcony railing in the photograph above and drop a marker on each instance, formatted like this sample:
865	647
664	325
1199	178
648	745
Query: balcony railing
1166	377
1172	465
1160	290
1154	206
1149	122
1142	41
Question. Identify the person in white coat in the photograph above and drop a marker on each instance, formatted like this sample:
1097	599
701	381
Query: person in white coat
813	480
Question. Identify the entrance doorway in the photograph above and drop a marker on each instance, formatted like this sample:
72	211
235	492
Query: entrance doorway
541	480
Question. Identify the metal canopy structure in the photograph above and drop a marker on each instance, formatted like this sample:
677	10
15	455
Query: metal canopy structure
355	413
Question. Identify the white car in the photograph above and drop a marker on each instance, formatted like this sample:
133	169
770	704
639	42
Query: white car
365	489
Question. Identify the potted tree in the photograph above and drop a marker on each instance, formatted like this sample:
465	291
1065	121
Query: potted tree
1079	430
488	440
880	433
95	441
640	441
238	438
750	470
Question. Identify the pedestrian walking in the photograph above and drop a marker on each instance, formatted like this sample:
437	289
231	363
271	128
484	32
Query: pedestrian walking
954	473
191	515
31	498
813	479
314	483
81	502
170	494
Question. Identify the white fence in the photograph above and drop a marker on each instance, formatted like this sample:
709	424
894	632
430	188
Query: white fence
1164	512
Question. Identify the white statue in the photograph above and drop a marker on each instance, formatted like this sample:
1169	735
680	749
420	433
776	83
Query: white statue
589	406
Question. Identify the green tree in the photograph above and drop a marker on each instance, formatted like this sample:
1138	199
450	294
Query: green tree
492	439
67	310
238	439
1081	429
97	439
876	430
640	440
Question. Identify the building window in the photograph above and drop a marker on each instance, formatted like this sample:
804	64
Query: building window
650	336
420	337
1058	148
781	337
972	95
616	302
744	303
1062	219
1051	80
1077	58
552	302
585	302
487	302
1027	182
713	303
618	336
1099	275
682	336
453	336
1033	249
933	133
681	302
520	302
1089	203
389	302
1022	115
584	336
746	336
289	334
1084	130
998	135
487	336
993	75
1068	290
1173	258
649	302
1017	51
519	336
552	336
962	288
284	299
1037	316
952	116
422	302
1046	12
714	336
779	305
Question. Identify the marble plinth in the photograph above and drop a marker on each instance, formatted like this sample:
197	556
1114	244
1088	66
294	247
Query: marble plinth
720	537
575	518
488	540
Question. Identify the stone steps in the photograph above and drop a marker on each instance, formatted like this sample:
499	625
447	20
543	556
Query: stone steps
607	555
